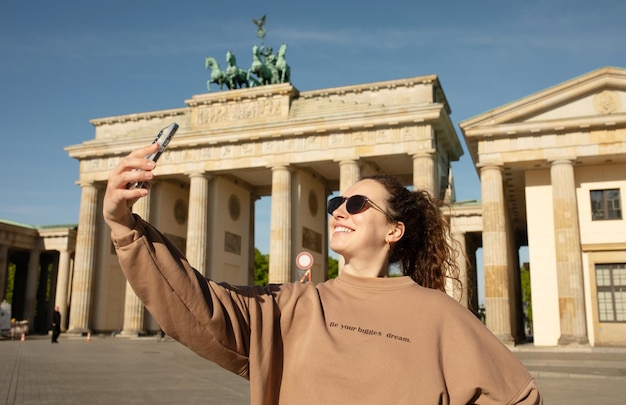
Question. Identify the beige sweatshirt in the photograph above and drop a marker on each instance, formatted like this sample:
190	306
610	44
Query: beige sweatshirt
350	340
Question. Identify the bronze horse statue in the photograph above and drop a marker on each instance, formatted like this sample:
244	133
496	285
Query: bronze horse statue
217	75
236	77
282	66
265	73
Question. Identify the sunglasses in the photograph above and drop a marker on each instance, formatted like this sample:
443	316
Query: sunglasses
354	204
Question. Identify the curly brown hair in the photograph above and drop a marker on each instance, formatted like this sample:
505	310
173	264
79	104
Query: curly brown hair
425	252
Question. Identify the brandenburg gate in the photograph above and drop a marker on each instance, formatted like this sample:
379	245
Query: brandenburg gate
236	146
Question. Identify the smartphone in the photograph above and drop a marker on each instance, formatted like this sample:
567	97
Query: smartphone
163	138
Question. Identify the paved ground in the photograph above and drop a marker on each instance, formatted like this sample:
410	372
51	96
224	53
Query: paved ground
109	370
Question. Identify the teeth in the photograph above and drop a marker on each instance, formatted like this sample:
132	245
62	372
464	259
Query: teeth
342	229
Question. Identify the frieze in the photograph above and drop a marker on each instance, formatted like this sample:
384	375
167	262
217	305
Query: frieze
358	138
226	151
174	156
407	133
292	144
245	110
383	135
112	162
206	154
189	155
337	139
312	141
267	147
270	146
95	164
249	149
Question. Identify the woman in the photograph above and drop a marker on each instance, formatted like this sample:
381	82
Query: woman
360	338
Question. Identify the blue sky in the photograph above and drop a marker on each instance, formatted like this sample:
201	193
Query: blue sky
63	63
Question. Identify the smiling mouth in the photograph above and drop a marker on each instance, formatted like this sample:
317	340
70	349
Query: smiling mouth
342	229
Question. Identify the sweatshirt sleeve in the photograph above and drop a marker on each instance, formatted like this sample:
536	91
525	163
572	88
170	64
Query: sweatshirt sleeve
529	395
217	321
479	369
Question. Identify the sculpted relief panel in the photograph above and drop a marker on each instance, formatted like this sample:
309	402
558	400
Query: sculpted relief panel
606	102
243	110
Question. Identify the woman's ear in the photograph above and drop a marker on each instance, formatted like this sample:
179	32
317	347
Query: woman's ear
396	231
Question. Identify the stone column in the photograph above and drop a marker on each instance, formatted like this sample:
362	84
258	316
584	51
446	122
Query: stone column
280	226
460	293
84	263
133	308
569	266
495	252
349	173
63	279
198	221
424	172
32	281
4	265
251	245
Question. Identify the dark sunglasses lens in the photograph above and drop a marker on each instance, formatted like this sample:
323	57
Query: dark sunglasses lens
334	203
355	204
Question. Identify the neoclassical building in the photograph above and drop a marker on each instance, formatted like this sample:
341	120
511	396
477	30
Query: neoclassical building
552	168
40	257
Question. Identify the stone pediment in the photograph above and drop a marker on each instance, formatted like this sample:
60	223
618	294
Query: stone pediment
583	102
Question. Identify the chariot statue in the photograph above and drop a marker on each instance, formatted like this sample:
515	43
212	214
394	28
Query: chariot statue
266	67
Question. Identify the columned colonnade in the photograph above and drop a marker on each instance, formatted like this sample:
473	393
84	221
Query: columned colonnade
540	159
280	245
501	257
269	141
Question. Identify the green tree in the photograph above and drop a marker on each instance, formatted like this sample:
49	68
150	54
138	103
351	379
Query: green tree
261	267
527	303
10	282
333	267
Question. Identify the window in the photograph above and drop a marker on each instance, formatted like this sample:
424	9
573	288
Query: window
605	204
611	287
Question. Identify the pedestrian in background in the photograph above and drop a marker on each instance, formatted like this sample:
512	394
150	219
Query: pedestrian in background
56	324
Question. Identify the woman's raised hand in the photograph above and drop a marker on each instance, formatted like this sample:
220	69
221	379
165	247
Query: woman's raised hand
119	196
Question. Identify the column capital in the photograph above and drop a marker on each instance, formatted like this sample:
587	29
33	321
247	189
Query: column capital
562	161
199	173
287	167
343	162
424	153
88	183
490	166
